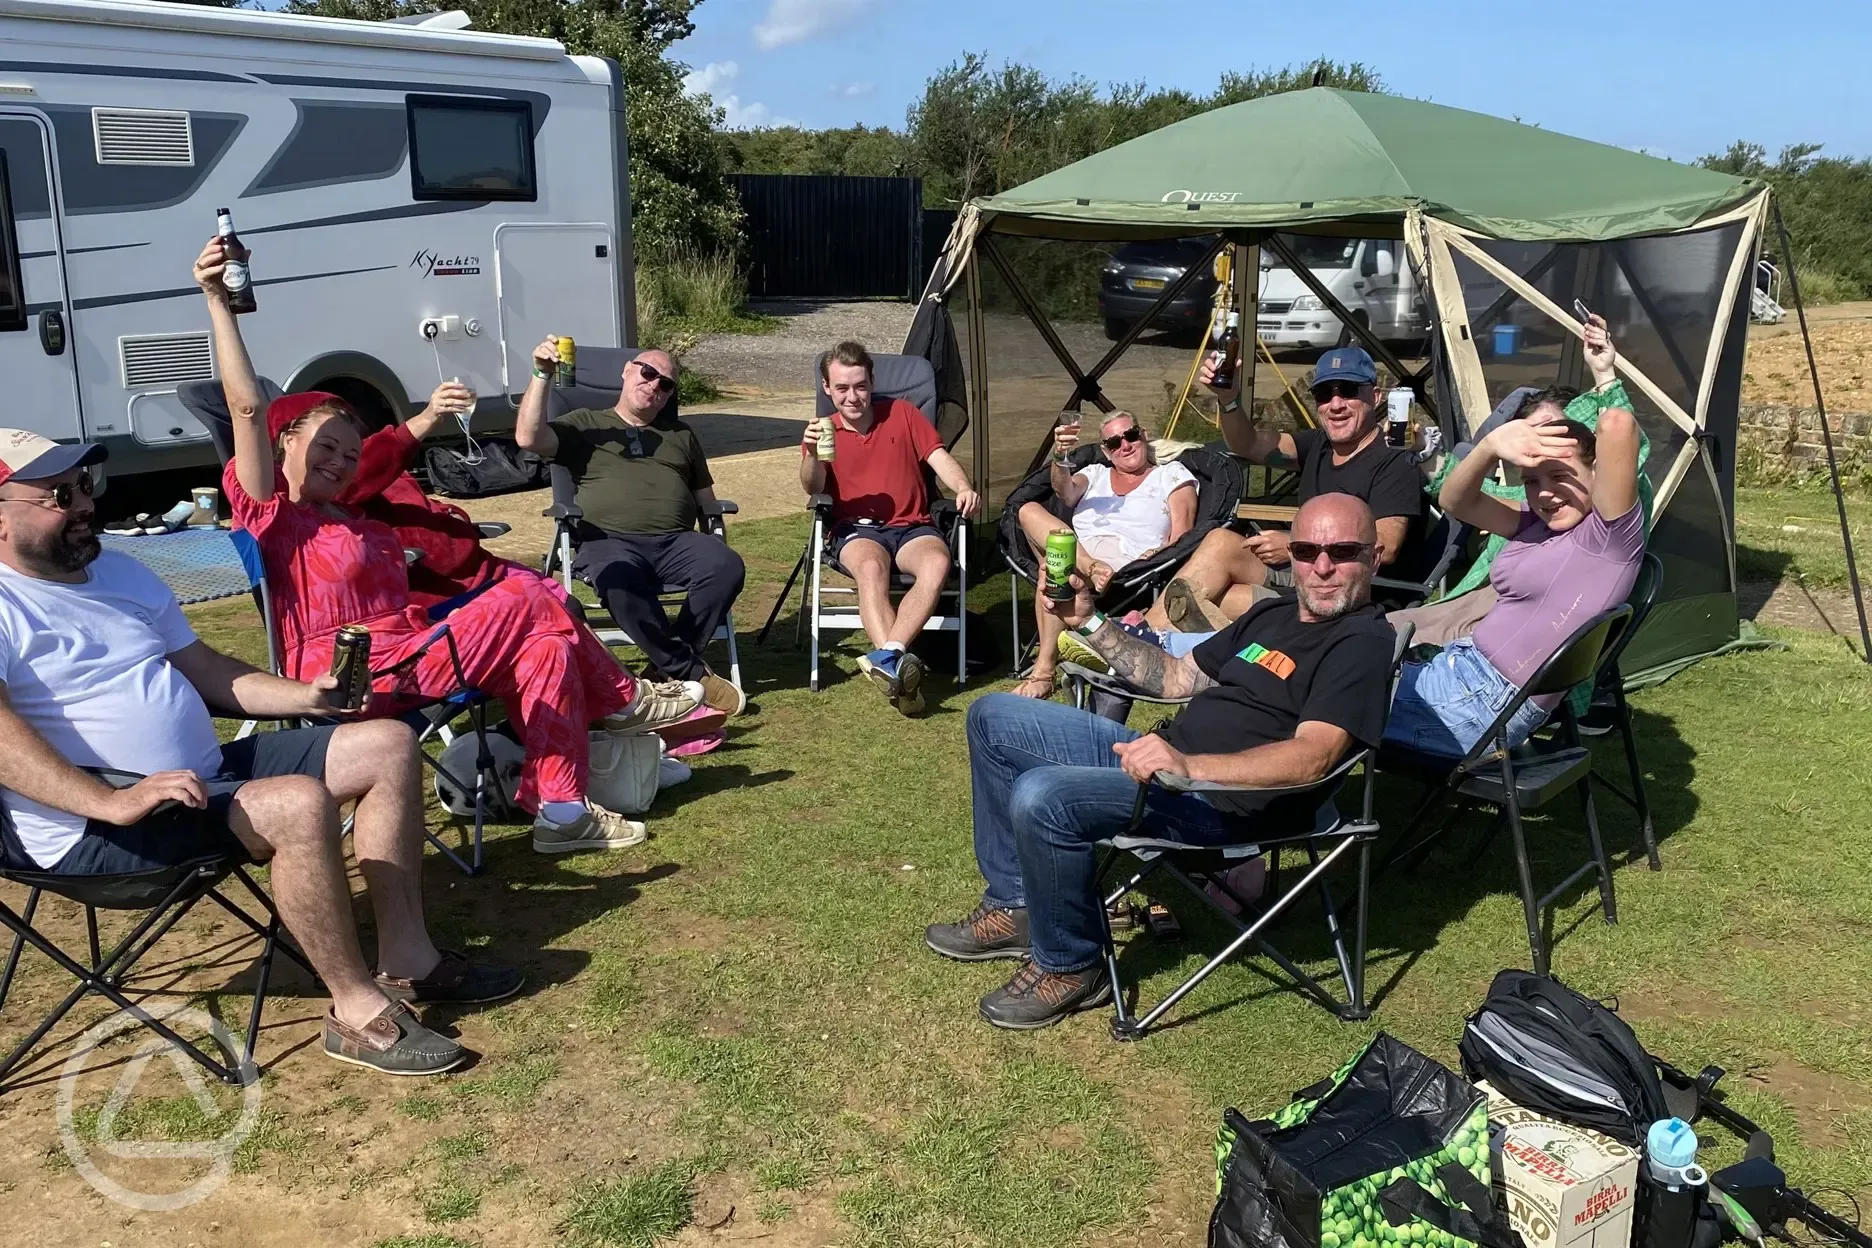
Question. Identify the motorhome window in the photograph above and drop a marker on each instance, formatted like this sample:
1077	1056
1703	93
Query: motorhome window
467	148
1322	253
12	290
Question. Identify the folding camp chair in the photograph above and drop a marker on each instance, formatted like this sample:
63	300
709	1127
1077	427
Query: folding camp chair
1218	490
599	381
207	402
1198	868
1610	693
164	896
1523	778
911	378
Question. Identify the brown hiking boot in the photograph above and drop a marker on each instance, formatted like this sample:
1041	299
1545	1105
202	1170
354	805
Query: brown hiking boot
1035	998
988	933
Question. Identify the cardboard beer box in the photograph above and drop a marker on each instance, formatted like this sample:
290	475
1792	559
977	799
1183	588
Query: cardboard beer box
1565	1186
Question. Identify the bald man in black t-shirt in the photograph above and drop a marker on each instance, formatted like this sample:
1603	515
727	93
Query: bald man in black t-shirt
1280	697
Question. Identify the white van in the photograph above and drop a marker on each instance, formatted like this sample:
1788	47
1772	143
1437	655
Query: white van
1368	275
387	176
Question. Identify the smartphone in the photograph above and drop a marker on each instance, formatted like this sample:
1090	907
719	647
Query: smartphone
1582	311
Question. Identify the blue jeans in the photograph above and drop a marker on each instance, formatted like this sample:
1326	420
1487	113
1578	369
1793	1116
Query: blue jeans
1047	788
1446	705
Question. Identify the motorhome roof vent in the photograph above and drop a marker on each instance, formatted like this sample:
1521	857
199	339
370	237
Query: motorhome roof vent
142	136
161	361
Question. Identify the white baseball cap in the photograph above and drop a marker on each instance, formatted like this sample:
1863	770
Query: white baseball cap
26	456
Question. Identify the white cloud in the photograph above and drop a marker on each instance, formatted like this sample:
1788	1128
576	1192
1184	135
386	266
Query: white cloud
750	116
852	90
706	80
794	21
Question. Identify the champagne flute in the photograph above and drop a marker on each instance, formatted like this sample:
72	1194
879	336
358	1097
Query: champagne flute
1070	419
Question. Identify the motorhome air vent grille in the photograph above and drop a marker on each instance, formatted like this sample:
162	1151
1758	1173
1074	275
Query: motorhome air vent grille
142	136
163	360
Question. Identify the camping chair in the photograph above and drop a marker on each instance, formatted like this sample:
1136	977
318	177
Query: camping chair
1520	779
1218	490
1331	838
164	896
1415	580
911	378
207	402
599	380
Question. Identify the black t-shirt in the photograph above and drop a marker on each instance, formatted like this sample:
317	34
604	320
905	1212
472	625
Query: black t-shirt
1385	476
1274	672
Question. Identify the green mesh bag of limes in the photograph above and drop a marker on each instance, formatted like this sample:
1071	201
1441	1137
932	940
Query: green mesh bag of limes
1390	1151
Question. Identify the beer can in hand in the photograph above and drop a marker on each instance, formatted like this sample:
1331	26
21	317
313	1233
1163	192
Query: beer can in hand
1062	560
827	450
351	666
568	362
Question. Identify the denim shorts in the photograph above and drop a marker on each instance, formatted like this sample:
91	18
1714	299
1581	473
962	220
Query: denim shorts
1446	705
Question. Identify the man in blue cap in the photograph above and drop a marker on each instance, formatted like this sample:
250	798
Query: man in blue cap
1347	454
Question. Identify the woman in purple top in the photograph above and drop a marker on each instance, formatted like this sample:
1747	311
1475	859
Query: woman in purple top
1573	551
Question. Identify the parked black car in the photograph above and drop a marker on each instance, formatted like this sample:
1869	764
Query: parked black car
1136	277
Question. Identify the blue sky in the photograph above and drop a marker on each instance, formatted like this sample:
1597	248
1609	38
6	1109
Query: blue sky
1677	78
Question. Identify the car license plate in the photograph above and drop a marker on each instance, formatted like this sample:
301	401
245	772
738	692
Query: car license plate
1147	283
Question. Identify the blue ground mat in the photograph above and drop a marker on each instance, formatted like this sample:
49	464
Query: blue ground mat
198	564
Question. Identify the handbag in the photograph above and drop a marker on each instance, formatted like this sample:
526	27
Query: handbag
624	771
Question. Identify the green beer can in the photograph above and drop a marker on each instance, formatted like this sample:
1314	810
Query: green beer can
1062	560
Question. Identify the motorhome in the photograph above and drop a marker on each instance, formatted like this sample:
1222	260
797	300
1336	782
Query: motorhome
422	201
1369	276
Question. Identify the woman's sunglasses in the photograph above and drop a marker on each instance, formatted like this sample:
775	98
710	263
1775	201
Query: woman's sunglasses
1338	552
663	384
1117	440
62	494
1336	389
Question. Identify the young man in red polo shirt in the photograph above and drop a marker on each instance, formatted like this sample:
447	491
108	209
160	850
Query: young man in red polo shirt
881	512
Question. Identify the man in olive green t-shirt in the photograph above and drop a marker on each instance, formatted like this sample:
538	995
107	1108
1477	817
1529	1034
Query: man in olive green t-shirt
643	482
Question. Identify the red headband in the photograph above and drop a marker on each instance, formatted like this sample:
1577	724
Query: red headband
290	407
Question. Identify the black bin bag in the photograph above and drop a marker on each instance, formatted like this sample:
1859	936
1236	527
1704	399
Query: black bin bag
1391	1151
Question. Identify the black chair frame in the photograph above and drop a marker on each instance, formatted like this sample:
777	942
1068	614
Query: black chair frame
1515	779
1195	867
165	896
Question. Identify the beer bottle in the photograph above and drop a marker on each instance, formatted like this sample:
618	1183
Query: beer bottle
235	274
1227	343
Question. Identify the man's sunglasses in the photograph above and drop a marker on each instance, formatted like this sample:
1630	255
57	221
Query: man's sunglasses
663	384
1336	390
1133	434
1338	552
62	494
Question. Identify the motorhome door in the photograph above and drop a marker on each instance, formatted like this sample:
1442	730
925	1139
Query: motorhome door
552	279
36	355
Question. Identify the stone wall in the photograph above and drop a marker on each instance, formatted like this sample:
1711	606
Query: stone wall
1778	442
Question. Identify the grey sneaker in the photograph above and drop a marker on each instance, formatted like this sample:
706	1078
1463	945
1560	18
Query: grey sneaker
655	706
393	1043
988	933
1035	998
597	828
909	697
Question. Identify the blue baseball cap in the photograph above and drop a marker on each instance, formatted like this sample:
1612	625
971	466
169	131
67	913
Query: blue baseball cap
1346	364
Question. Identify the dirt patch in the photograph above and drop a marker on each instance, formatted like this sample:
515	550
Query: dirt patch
1776	368
1818	1100
781	362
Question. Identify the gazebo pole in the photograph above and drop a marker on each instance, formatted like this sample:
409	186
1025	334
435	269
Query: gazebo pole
1826	432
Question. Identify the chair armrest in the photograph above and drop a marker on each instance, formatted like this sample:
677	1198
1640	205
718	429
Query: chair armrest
721	507
492	528
819	502
1385	582
1105	682
564	512
411	556
1185	784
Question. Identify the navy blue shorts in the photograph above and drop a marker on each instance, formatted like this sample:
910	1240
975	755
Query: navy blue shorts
892	538
181	835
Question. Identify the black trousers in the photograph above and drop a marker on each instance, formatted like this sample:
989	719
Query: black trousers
629	570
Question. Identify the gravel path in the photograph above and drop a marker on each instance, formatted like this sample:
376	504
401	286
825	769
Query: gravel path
782	362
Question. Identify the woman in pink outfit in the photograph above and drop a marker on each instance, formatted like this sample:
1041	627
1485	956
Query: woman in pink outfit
329	567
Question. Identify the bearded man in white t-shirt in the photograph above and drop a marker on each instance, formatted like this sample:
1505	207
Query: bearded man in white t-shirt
100	671
1123	509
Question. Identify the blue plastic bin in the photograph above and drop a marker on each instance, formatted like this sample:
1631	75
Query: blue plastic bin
1507	339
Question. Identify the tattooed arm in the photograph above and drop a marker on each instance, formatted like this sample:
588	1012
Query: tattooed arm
1147	668
1144	667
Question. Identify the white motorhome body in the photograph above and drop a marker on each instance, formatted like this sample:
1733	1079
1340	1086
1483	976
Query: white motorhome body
1367	275
384	175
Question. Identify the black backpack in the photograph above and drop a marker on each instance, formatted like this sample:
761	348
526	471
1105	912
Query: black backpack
504	467
1546	1047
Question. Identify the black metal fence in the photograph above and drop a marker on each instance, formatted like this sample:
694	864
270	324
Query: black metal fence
831	237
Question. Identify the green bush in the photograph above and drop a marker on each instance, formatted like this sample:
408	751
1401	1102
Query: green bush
1818	286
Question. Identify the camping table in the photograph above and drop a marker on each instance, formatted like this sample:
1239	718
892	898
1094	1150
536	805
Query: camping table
1266	513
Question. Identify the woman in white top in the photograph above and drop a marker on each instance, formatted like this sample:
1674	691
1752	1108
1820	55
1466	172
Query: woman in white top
1123	509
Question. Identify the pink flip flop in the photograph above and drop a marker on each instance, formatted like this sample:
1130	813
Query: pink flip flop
697	745
701	722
